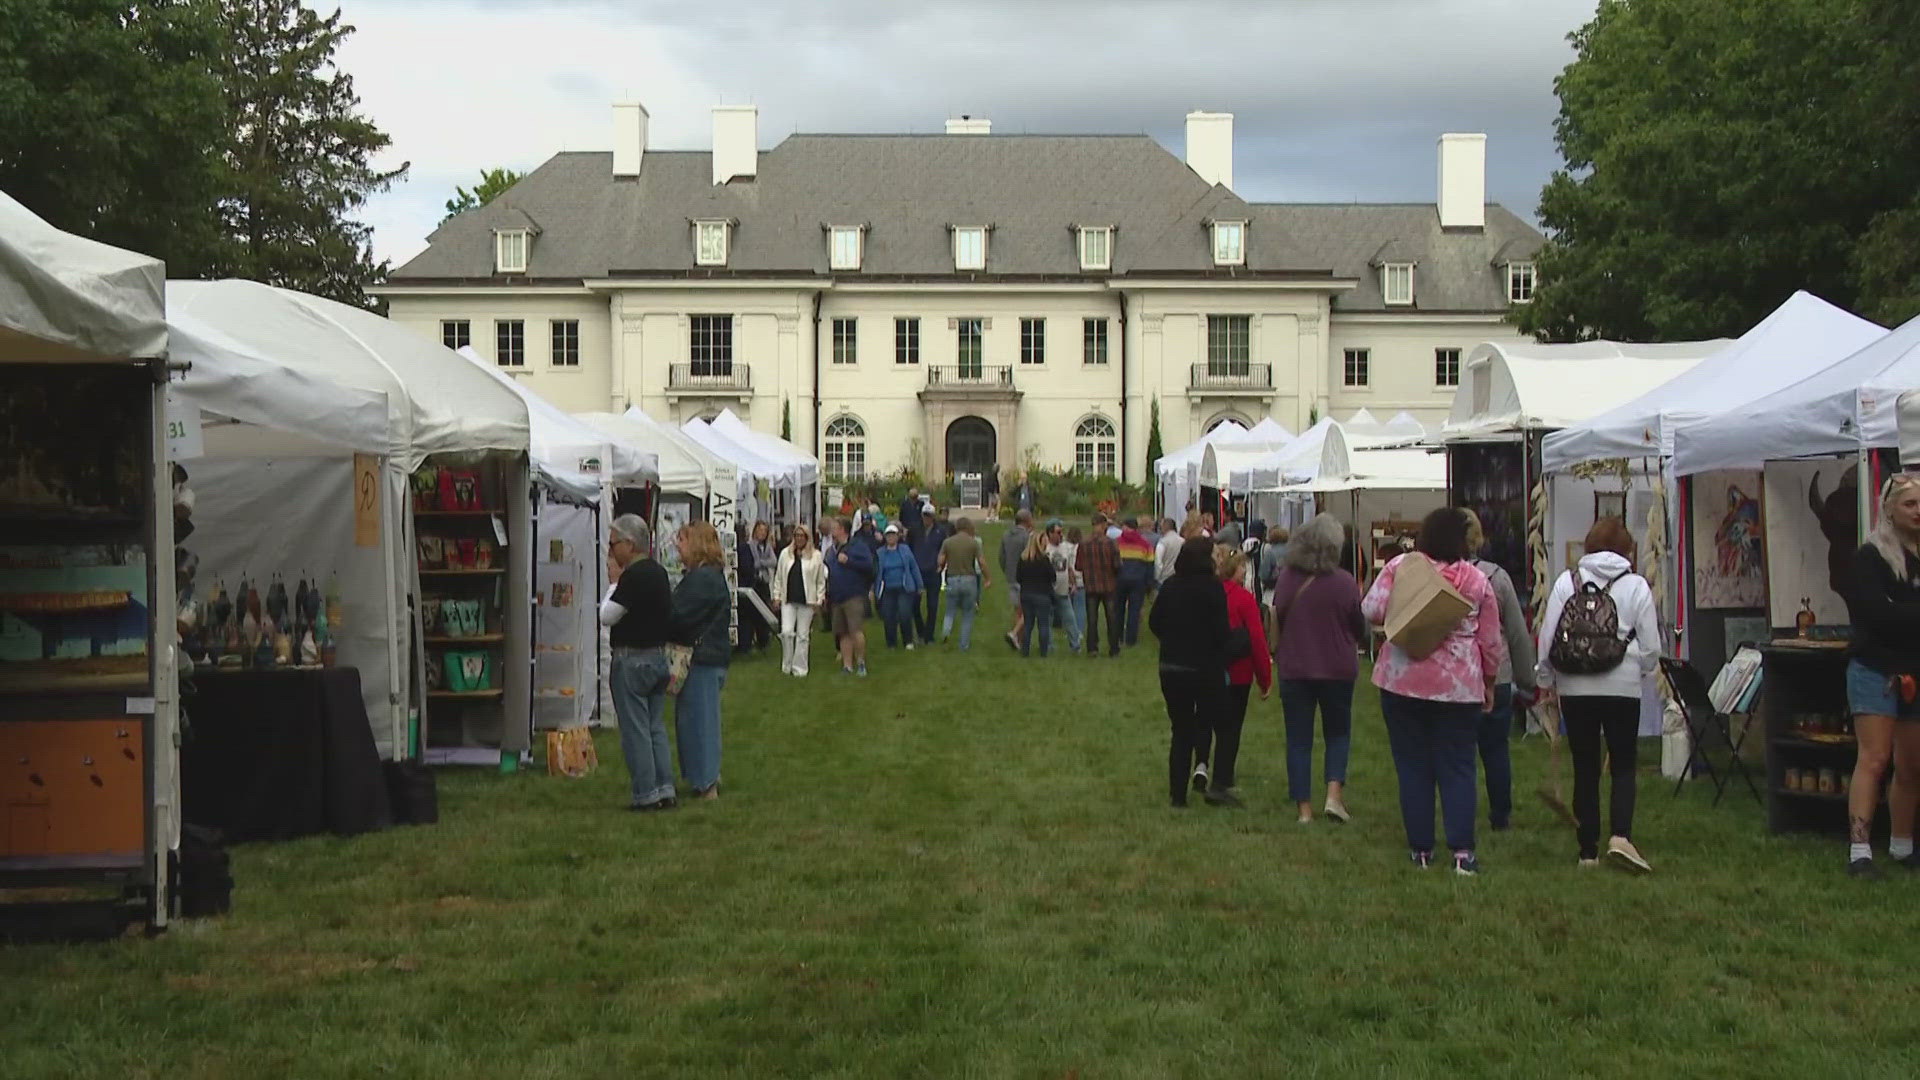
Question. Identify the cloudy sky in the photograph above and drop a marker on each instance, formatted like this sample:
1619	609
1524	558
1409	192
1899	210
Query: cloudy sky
1333	100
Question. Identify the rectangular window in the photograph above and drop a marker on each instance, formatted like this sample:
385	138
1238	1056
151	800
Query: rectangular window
1446	367
971	351
510	343
845	249
1357	368
1229	243
1093	341
456	333
1096	248
566	343
906	341
1033	341
710	243
1396	283
1229	344
510	251
710	345
846	346
970	248
1520	282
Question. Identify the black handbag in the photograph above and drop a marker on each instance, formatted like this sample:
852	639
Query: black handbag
1239	643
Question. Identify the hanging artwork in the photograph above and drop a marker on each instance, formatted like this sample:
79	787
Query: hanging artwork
1729	549
1812	530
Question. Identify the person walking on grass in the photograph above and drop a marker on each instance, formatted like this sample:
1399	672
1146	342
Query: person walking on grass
1273	558
1243	617
1599	639
1136	575
1097	560
1318	629
1191	622
1432	704
637	612
1884	605
1514	687
897	580
1165	551
965	567
926	551
1012	546
849	576
701	606
800	590
1033	577
1062	549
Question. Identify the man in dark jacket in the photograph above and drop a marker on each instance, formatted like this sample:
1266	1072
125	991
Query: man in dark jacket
849	576
1098	561
926	551
1011	547
909	518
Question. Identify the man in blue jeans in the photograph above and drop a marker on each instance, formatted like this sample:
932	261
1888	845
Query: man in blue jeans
965	567
636	612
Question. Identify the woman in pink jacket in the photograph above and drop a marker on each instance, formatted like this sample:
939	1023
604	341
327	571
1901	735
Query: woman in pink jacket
1433	705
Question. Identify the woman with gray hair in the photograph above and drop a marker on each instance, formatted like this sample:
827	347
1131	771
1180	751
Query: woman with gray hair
636	612
1318	629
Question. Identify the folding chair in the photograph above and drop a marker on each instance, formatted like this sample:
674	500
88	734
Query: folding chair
1705	725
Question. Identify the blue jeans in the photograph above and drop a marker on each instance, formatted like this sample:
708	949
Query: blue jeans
927	612
896	614
1298	698
1135	577
1496	756
696	721
1433	748
1869	692
963	597
1072	610
639	682
1038	607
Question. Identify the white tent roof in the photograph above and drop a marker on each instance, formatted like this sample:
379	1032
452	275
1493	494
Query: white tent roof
1841	409
681	462
1521	386
1908	411
75	294
1176	463
753	464
437	402
1802	336
806	467
235	382
1362	418
1397	469
1269	430
566	454
1321	450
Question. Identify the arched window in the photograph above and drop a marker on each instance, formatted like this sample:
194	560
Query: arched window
1223	418
845	448
1093	447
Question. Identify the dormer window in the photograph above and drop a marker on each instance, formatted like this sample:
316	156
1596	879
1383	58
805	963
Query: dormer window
1096	247
1520	282
844	247
1229	243
710	242
510	251
970	248
1396	283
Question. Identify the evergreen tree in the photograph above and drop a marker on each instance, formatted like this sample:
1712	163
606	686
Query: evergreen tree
786	419
1154	452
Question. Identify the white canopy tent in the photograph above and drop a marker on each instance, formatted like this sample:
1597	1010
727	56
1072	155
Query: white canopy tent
1803	335
1907	413
63	297
1178	472
750	467
1520	386
1320	450
568	455
1395	483
681	463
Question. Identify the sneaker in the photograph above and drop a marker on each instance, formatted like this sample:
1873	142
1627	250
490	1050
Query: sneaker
1200	777
846	671
1465	864
1910	861
1224	797
1622	853
1588	864
1337	811
909	646
1421	859
861	671
1012	642
1864	868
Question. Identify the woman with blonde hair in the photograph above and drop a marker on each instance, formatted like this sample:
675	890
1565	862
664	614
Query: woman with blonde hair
1243	614
1034	575
701	605
1884	604
799	589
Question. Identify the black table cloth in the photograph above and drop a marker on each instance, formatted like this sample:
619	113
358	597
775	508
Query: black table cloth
271	755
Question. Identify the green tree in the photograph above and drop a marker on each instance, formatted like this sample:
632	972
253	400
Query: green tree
786	419
1154	452
300	153
111	122
1717	157
493	183
1887	259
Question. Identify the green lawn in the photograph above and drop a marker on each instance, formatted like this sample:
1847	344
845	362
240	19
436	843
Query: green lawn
964	866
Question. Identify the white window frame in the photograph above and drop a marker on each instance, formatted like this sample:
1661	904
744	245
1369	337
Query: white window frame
1439	357
1515	274
839	447
702	256
1387	274
509	328
456	333
1364	369
1104	235
962	233
1222	230
510	250
1094	331
1096	452
841	260
557	335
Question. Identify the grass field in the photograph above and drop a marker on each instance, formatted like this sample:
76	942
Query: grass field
964	866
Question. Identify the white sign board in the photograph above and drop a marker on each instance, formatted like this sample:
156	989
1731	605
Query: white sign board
184	439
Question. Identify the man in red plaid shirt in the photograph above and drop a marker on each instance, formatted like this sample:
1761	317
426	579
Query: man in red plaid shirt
1098	561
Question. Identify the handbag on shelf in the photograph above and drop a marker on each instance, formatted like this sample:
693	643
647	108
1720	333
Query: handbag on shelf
679	659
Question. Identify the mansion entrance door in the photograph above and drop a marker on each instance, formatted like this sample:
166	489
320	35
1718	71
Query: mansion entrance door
971	446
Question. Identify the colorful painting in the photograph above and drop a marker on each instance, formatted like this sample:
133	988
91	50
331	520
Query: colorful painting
1812	520
1729	548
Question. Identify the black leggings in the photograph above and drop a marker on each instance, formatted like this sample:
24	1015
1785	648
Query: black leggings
1193	701
1226	735
1590	719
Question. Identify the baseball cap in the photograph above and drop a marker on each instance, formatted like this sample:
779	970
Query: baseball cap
892	528
927	509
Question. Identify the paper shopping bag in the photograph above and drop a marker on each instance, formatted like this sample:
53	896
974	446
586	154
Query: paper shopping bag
1423	608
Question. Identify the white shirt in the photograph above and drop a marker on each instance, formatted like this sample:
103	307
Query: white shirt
1164	555
1633	599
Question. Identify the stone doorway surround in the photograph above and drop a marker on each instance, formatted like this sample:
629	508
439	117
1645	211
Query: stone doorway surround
1001	408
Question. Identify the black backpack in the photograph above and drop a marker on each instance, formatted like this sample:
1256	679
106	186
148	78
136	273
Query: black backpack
1587	641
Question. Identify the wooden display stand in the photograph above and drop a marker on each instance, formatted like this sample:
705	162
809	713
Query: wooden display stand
1803	711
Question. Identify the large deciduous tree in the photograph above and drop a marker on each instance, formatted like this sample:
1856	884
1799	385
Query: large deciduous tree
493	183
1718	156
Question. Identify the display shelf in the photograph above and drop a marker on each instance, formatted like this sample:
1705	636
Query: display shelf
464	573
467	695
482	639
1797	679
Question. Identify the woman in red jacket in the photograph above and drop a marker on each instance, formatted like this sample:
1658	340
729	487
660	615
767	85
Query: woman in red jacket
1243	613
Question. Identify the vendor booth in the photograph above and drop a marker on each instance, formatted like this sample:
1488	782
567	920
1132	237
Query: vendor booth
1247	474
764	474
802	507
88	684
1381	498
1177	474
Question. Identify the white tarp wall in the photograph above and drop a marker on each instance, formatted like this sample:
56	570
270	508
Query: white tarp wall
1178	473
569	578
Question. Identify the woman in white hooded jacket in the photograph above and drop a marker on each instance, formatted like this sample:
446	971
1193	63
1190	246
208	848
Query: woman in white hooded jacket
799	589
1604	709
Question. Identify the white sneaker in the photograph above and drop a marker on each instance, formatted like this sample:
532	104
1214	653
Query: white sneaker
909	646
1622	853
1200	777
1337	811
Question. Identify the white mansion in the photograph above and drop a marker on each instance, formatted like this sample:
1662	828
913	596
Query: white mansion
963	300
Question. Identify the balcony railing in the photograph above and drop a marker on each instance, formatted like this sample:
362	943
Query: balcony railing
735	378
969	377
1233	378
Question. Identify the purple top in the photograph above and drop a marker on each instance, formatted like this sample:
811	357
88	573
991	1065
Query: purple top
1322	628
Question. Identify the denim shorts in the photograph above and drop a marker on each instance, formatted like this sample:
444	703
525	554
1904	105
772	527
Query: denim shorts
1869	694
